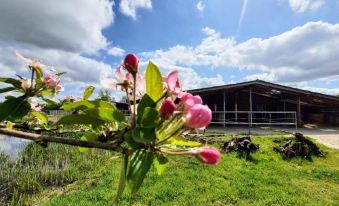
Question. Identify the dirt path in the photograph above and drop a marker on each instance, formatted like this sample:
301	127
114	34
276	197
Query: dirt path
328	140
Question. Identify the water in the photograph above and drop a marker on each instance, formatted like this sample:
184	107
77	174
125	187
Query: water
12	146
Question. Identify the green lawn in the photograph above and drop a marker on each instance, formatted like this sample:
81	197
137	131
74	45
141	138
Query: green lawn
266	180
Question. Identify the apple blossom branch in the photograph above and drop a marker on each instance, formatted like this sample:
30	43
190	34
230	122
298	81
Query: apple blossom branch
62	140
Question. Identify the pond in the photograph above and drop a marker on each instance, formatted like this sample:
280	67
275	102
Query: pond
12	146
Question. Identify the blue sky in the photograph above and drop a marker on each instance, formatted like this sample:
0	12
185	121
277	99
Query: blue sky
210	42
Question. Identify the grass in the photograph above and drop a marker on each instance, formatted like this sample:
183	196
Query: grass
265	180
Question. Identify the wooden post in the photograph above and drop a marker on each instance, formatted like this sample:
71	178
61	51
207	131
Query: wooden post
251	117
224	107
299	112
236	107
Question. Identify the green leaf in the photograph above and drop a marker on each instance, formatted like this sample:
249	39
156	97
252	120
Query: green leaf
130	141
149	118
123	178
49	101
140	163
41	116
106	114
79	119
180	141
39	73
160	163
87	137
143	135
79	105
14	82
85	104
154	84
146	101
14	108
88	92
7	89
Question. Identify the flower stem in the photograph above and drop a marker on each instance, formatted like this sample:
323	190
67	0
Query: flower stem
32	77
173	152
134	99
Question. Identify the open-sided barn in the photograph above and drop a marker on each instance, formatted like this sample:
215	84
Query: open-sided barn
264	103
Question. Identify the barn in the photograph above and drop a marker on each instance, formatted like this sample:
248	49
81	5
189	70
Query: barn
264	103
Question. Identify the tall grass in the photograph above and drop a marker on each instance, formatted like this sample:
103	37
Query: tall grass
38	168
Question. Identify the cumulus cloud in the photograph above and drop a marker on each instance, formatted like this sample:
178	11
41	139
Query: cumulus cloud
301	54
129	7
60	34
301	6
200	6
64	25
116	51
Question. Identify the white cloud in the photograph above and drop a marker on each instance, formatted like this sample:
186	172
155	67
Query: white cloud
200	6
59	34
129	7
66	25
301	6
116	51
301	54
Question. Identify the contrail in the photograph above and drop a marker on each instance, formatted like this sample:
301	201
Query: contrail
243	11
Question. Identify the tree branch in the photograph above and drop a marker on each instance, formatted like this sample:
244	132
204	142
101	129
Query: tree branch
62	140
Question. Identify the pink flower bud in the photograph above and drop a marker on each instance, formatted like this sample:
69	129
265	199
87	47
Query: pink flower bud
189	100
208	155
167	108
131	62
52	81
198	116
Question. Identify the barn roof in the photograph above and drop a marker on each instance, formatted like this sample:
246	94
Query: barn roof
275	91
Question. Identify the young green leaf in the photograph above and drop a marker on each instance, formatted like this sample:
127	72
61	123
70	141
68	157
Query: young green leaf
106	114
88	92
180	141
41	116
14	108
14	82
146	101
87	137
143	135
149	118
154	84
79	105
122	180
130	141
140	163
6	89
79	119
160	163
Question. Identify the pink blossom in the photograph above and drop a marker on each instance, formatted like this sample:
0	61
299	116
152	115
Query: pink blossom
131	62
33	62
35	107
198	116
208	155
124	78
188	100
172	83
167	108
52	81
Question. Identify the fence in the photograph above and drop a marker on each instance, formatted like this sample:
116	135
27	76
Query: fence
255	118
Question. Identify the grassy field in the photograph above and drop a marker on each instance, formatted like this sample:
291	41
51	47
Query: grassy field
265	180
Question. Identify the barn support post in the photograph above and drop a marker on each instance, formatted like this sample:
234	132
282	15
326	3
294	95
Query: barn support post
236	107
224	107
251	109
250	113
298	111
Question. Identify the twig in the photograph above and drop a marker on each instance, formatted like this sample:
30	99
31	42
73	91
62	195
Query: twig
62	140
